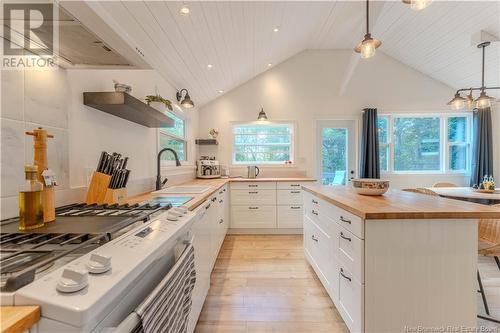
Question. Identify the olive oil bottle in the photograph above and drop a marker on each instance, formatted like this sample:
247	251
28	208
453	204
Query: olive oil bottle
31	200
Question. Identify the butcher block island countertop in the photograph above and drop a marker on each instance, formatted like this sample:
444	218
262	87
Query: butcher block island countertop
396	204
16	319
215	184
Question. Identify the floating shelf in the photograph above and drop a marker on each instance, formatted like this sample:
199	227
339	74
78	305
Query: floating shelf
206	142
125	106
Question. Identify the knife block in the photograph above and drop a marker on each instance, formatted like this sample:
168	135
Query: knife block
98	188
118	195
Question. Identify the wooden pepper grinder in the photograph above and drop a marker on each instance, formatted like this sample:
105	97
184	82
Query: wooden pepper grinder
40	143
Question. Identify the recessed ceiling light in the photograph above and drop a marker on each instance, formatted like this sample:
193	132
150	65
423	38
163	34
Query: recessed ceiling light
220	91
269	65
184	10
210	66
276	29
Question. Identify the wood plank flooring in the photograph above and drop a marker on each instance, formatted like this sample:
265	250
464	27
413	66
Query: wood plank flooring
263	284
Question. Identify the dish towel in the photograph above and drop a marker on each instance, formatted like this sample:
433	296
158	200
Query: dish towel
166	309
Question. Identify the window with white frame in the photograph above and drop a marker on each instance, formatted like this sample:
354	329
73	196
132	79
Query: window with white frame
262	143
174	137
424	143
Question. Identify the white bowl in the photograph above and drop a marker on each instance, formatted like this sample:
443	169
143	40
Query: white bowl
367	186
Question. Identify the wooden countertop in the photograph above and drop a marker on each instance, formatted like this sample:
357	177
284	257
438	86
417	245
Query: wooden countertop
465	192
215	184
16	319
396	204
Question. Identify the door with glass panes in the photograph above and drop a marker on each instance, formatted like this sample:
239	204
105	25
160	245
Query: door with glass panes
336	151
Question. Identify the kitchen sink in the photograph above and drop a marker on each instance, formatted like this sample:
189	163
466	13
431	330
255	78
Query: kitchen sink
191	189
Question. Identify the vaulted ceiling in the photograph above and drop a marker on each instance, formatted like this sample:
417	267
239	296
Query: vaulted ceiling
238	41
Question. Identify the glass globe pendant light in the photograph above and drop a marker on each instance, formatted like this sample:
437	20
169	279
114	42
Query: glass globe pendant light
368	45
457	103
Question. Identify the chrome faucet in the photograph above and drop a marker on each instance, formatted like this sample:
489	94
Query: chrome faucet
159	182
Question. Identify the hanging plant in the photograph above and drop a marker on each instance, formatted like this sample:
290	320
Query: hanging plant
159	99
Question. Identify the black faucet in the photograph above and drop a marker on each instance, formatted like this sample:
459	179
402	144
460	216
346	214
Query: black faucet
159	182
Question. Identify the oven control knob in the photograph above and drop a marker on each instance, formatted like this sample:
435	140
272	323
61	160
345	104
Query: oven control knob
72	280
99	263
178	212
172	216
182	209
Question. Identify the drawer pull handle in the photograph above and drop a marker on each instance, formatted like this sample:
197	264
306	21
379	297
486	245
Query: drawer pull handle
345	220
207	206
314	201
213	199
253	192
253	207
295	192
253	185
221	201
314	212
344	237
314	238
295	185
295	207
344	276
221	221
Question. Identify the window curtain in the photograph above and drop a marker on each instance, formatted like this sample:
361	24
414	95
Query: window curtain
370	163
482	151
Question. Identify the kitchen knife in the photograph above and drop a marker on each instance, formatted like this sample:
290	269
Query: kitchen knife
111	164
125	160
105	163
101	161
125	180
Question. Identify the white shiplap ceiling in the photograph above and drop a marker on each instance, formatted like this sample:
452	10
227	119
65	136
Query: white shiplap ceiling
237	38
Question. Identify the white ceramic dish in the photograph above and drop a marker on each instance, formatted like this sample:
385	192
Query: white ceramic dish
367	186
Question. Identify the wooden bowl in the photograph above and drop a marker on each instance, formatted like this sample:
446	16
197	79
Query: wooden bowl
367	186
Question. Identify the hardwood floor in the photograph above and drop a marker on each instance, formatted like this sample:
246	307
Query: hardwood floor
263	284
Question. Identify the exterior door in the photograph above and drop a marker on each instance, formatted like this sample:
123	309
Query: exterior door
336	151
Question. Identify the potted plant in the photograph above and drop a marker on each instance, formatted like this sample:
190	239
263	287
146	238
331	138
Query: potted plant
159	102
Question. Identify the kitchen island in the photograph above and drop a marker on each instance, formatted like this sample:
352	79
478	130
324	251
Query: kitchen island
397	262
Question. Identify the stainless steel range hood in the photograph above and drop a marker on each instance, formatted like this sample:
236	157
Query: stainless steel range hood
79	43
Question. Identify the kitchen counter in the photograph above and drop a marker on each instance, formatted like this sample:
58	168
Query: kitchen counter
396	204
18	318
215	184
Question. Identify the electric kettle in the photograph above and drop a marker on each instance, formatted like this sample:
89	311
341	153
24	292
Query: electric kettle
253	171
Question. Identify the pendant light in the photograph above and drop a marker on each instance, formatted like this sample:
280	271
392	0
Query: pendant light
262	115
417	4
368	45
457	102
186	103
483	101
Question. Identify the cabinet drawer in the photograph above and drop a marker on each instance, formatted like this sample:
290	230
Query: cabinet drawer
289	186
253	216
290	216
351	253
253	185
319	248
253	197
289	197
350	302
351	222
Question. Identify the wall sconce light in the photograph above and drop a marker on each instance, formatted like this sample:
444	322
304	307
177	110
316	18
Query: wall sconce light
186	102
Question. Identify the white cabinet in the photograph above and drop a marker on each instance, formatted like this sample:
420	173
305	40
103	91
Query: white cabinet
266	205
335	249
253	217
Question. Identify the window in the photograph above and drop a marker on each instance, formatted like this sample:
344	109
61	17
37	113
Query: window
458	143
175	138
417	144
424	143
383	141
270	143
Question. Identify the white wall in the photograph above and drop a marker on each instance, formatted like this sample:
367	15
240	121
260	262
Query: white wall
54	100
317	84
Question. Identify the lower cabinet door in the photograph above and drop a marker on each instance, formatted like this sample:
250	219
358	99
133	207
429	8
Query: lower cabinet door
290	216
319	250
351	300
253	217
